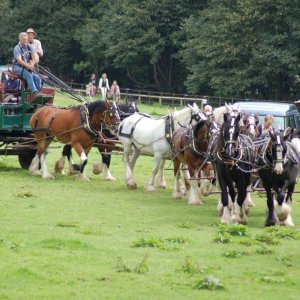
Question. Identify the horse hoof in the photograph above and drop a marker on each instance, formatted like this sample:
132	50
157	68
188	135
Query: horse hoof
225	221
177	196
35	173
132	187
73	172
110	178
48	176
162	186
282	211
270	222
195	202
82	177
150	188
242	221
289	222
61	172
97	168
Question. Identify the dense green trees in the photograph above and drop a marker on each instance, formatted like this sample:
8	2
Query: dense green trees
242	48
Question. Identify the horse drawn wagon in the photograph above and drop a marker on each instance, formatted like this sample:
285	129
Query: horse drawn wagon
15	132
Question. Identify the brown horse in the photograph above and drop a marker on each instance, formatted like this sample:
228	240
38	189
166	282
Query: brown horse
78	126
189	146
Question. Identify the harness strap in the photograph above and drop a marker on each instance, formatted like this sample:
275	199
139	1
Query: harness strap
85	122
129	135
169	128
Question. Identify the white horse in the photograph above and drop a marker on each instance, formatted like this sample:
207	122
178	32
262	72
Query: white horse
142	134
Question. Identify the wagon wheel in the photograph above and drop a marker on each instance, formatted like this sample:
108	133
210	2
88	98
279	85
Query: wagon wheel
26	158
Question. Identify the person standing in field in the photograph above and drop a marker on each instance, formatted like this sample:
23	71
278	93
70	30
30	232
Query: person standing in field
104	85
115	92
93	81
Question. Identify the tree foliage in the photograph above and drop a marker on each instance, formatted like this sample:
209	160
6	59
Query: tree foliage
242	48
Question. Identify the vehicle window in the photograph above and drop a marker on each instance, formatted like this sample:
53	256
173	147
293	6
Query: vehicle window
291	122
297	121
279	123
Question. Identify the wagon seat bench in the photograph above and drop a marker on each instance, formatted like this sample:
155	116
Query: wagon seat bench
45	98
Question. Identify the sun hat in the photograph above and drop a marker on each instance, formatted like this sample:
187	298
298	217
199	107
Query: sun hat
30	30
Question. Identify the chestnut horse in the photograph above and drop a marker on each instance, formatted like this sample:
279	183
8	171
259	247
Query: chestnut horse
106	143
189	146
78	126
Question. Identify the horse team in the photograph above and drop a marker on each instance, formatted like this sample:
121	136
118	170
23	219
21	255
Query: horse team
224	144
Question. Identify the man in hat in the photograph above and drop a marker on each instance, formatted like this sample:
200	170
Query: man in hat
34	42
25	58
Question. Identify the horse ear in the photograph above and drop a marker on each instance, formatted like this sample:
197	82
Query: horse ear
227	107
238	118
256	118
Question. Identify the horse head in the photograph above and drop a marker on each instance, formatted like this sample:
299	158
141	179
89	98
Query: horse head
196	114
250	122
278	150
230	133
106	113
226	109
201	132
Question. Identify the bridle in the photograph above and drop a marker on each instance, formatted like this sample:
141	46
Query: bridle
279	151
197	117
231	132
110	112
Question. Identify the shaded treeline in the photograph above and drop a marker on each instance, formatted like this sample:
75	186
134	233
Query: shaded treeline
242	48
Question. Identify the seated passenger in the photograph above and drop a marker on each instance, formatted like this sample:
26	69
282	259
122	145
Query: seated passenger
12	85
25	58
12	90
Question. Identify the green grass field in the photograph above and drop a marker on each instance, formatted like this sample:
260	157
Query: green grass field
65	239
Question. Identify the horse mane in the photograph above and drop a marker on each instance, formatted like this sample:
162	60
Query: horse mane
92	106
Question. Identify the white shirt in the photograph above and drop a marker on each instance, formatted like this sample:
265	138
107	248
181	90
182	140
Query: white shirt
100	83
37	46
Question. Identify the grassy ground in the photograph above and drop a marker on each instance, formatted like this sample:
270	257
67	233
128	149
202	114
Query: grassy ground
64	239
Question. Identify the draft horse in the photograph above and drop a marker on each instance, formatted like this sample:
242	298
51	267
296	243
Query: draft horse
106	143
279	163
78	126
232	155
141	134
189	146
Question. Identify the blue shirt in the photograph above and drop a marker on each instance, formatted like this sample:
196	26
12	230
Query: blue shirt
23	52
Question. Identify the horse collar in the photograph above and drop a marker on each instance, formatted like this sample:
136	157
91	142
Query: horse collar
169	128
85	122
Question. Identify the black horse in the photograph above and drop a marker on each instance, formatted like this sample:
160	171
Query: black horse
232	155
279	163
106	143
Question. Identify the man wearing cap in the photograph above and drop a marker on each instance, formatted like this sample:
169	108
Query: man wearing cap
34	42
25	58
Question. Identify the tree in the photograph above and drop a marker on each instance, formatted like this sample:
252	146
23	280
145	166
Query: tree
141	37
244	48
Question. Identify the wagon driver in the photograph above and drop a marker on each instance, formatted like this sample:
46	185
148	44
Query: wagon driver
25	58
